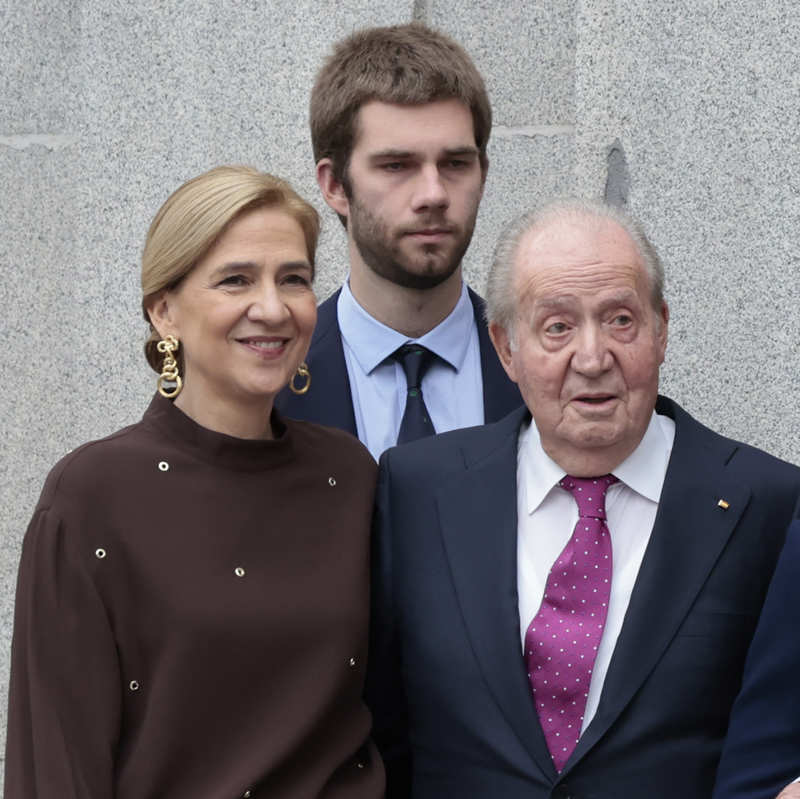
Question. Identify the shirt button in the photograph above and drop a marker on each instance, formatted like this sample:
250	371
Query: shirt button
352	662
247	794
239	571
163	465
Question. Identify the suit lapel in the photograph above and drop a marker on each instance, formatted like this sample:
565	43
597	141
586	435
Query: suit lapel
329	400
500	394
689	533
478	521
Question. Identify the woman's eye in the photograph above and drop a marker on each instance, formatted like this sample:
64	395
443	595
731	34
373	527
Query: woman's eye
297	280
556	329
233	280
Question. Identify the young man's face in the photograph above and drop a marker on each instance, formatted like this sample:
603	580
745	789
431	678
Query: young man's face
415	181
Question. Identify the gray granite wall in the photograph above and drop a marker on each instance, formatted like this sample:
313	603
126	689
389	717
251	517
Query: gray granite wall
687	111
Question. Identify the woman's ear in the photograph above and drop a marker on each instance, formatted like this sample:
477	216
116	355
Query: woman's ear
159	309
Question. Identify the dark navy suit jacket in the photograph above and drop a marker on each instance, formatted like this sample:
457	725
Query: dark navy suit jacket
762	750
446	677
329	400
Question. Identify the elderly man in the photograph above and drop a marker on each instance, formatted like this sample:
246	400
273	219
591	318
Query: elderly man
564	599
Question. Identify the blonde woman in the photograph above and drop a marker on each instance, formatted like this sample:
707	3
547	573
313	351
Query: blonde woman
192	604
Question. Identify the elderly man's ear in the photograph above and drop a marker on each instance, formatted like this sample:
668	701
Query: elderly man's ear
502	344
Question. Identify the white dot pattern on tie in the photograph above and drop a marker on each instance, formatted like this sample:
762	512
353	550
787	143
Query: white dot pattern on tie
562	640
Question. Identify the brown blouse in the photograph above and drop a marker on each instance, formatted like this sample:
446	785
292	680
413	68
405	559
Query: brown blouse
191	619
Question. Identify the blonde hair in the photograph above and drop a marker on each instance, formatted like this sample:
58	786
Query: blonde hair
194	217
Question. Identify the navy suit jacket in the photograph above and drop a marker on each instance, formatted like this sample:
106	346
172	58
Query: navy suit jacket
446	679
762	750
329	400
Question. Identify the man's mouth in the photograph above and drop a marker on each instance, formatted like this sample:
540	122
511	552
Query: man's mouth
594	400
430	232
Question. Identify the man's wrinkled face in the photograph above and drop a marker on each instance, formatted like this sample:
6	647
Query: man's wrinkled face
587	342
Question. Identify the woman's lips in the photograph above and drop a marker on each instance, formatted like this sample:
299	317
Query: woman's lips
265	347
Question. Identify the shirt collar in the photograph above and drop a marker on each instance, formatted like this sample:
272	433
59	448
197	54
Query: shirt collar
372	342
643	470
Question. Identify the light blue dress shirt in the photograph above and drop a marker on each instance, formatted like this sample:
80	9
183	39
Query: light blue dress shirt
452	387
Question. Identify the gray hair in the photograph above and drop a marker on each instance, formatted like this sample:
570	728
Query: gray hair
501	298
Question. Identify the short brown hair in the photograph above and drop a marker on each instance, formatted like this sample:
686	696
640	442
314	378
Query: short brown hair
403	64
194	217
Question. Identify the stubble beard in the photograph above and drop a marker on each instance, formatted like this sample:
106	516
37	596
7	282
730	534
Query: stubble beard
380	250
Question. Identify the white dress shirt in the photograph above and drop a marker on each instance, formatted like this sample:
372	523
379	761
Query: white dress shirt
547	515
452	388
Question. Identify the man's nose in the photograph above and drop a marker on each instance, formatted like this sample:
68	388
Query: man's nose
592	355
430	190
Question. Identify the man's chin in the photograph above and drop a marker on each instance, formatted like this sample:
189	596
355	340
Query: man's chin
421	274
421	282
595	434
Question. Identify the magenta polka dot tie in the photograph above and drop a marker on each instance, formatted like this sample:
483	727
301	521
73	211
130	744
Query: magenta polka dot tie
561	641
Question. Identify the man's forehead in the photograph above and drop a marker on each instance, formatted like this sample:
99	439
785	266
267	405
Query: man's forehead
579	234
398	126
582	247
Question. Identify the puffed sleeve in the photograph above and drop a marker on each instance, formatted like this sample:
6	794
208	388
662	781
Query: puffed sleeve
65	695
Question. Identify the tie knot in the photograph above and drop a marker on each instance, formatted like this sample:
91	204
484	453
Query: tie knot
589	493
415	360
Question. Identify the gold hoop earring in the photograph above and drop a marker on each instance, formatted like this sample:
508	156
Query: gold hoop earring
169	370
302	370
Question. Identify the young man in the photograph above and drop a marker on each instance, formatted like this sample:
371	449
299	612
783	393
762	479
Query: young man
400	120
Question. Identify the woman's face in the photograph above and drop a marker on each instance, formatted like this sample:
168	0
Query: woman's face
244	316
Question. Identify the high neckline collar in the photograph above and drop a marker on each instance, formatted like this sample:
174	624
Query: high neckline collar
219	449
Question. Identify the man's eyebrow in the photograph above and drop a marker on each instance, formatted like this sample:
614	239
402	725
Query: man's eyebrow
390	153
554	303
467	150
624	297
448	152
